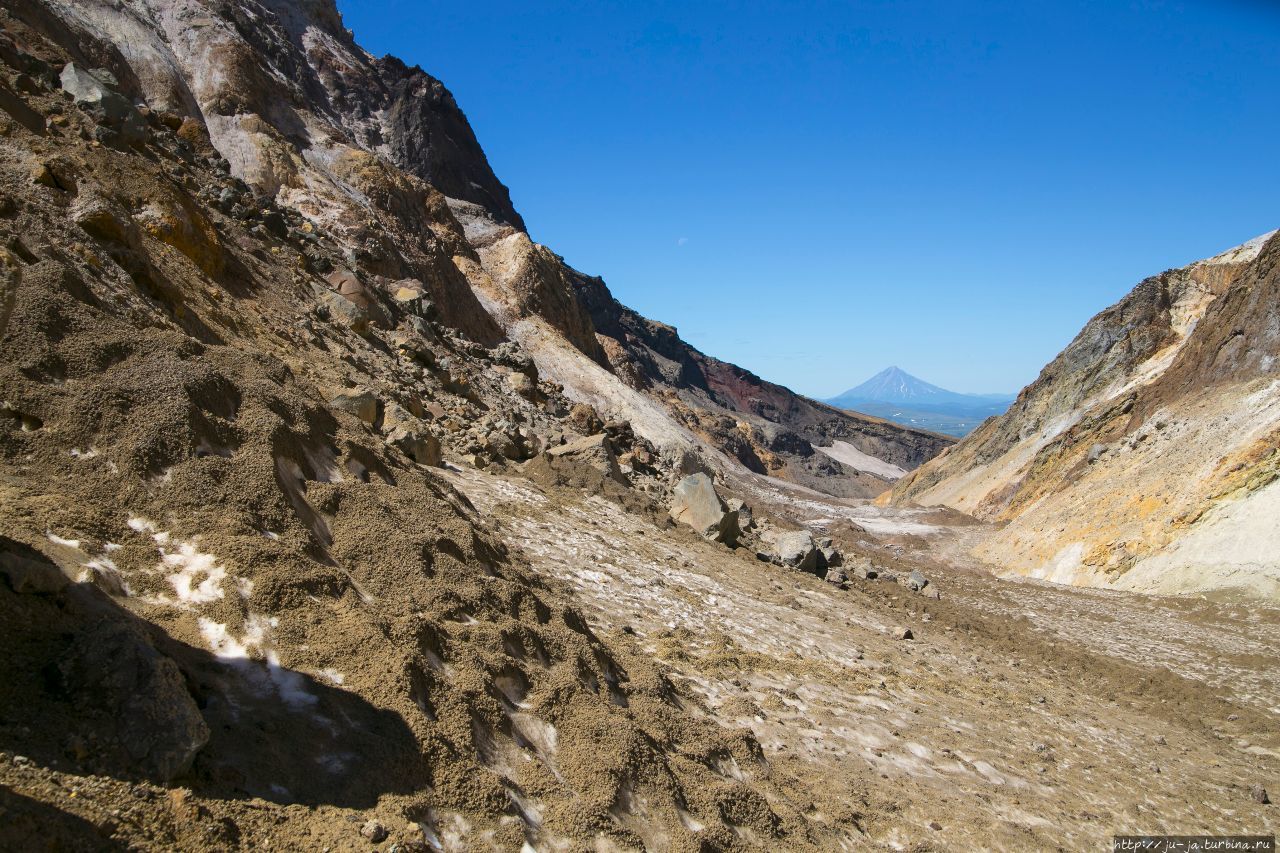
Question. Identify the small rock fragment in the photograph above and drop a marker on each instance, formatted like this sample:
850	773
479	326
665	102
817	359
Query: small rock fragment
522	385
745	520
374	831
584	419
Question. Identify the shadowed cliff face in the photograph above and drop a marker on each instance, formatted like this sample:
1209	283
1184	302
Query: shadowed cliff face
1145	445
428	136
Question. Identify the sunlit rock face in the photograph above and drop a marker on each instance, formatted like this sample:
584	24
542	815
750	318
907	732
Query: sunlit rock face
1143	457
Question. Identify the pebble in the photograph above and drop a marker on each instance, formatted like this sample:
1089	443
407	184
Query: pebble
374	831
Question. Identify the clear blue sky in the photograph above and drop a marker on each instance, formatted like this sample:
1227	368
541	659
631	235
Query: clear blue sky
817	190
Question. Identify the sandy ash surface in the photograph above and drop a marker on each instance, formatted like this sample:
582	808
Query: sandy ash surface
1022	715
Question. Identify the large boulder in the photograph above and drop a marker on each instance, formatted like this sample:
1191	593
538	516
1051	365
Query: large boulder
797	550
341	310
82	671
594	452
696	504
418	444
109	108
361	402
916	581
411	296
353	303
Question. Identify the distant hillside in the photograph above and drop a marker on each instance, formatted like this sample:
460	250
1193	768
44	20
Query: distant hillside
898	396
1146	456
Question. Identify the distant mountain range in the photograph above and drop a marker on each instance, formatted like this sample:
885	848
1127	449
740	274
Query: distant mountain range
895	395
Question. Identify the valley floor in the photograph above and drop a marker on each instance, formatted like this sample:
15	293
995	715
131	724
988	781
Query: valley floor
1020	716
1023	715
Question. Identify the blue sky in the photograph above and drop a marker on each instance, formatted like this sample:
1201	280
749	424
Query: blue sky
817	190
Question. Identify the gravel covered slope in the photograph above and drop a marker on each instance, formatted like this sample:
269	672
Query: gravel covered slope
242	603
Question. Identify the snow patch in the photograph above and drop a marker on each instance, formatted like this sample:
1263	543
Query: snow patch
846	454
106	574
239	652
58	540
198	579
332	676
141	525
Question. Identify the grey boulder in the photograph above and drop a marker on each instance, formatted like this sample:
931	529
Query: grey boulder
696	504
916	581
796	550
108	107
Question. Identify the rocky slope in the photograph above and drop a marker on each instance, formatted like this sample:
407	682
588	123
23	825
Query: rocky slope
256	288
1145	456
763	426
379	157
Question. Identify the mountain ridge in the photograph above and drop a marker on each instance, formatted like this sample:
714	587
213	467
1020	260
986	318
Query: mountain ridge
250	358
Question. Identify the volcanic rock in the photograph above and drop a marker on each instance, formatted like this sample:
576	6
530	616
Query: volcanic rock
696	503
796	550
593	451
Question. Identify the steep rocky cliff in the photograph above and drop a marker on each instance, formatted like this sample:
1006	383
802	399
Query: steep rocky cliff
1144	455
